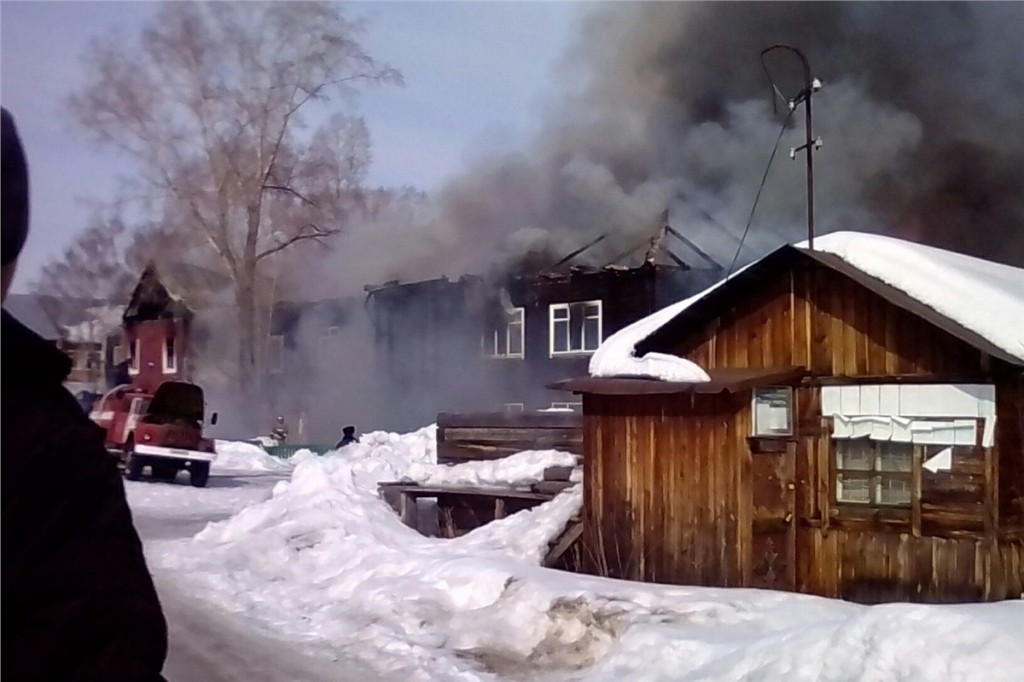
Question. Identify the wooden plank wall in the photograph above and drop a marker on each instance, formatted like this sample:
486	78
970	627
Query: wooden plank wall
463	437
821	319
869	567
665	486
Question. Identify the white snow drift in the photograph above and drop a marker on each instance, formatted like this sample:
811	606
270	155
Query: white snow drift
326	562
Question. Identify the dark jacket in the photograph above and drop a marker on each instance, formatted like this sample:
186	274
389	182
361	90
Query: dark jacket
77	599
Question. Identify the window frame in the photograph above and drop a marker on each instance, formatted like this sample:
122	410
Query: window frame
169	355
790	409
567	307
875	475
491	342
134	361
567	405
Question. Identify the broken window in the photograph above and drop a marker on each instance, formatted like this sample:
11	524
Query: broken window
507	340
575	327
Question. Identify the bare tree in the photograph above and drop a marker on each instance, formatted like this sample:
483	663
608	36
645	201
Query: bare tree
213	103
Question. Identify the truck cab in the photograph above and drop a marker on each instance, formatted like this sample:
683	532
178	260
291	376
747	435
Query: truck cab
161	430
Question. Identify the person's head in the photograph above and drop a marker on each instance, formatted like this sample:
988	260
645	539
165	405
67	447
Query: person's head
13	199
280	419
348	431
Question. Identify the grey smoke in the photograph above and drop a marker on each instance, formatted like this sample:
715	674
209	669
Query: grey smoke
667	104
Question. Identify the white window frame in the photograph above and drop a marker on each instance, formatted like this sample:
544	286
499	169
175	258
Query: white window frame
170	359
574	406
275	354
134	361
493	346
567	307
514	408
875	474
756	428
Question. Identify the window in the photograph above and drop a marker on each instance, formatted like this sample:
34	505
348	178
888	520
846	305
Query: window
513	408
575	327
575	407
133	356
170	356
507	341
873	472
275	354
773	411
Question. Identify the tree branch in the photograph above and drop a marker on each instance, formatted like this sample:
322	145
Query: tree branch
289	190
317	234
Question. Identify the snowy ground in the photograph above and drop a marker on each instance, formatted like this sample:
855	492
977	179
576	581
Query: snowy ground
308	556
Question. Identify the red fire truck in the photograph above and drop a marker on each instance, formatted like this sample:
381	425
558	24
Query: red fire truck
162	430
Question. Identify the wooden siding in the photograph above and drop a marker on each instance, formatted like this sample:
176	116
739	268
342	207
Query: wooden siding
820	319
463	437
660	498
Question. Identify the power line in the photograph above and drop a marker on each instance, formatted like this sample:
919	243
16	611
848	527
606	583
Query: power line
757	198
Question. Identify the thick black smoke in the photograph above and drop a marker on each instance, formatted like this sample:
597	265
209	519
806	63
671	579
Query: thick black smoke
667	104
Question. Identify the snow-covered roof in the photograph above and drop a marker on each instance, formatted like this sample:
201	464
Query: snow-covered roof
981	296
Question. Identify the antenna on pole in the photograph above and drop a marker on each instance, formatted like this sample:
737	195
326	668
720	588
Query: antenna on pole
811	144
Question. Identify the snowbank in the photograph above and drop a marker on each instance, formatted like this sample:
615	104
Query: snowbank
326	561
521	469
240	456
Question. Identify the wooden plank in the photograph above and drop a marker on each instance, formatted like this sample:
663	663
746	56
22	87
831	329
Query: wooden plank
486	420
499	508
915	492
407	509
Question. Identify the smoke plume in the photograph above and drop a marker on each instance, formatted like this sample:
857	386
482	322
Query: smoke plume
667	104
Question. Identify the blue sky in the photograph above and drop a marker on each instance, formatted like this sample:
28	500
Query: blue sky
477	76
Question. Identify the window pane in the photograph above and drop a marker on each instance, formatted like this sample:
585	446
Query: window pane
576	329
515	339
591	334
857	455
893	491
772	411
894	456
853	490
592	310
561	337
560	313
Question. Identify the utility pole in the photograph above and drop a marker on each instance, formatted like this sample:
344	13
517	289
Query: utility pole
811	144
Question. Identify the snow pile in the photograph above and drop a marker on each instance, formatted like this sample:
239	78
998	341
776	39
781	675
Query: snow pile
983	296
235	455
325	562
519	470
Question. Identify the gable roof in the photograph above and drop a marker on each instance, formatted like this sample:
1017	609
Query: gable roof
977	301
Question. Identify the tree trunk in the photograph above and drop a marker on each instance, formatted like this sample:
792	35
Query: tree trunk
245	301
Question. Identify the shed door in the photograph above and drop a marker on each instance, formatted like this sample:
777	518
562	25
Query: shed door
772	562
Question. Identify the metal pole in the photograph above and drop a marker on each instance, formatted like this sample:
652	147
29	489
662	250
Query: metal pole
810	85
809	149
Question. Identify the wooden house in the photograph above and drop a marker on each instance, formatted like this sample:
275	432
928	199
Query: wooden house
494	344
859	437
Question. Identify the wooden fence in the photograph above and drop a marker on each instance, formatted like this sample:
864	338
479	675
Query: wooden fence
463	437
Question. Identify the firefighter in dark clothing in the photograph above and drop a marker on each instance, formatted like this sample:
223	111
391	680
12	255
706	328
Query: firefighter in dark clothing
348	436
78	600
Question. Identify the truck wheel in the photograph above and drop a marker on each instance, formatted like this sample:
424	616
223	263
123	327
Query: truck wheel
199	474
132	464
